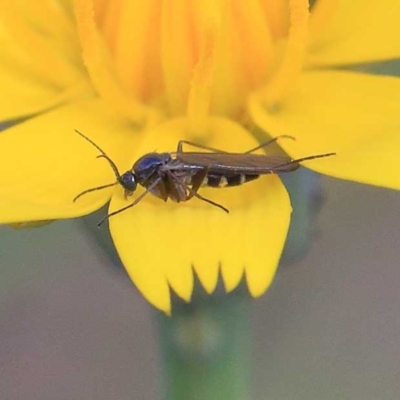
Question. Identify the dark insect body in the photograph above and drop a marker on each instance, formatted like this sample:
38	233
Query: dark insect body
178	176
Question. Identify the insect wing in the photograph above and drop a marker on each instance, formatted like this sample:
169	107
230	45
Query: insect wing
238	163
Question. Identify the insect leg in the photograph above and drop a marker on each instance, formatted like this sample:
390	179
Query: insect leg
195	194
213	203
197	181
199	146
265	144
137	200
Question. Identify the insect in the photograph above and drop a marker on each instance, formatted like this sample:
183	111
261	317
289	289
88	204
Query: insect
179	175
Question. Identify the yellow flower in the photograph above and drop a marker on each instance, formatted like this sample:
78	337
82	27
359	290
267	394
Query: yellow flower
137	76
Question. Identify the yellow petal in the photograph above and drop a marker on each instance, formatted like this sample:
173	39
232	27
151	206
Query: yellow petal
97	58
203	74
358	31
28	83
161	243
240	60
277	15
137	41
44	164
290	68
354	115
23	94
25	26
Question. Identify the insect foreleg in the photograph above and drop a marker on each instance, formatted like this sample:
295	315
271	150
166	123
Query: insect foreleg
137	200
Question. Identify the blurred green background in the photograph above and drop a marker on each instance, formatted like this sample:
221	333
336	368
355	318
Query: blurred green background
74	327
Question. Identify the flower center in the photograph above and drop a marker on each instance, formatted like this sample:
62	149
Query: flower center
204	57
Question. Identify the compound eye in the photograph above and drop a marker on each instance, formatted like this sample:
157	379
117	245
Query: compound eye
128	181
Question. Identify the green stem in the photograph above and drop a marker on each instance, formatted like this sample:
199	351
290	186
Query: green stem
205	348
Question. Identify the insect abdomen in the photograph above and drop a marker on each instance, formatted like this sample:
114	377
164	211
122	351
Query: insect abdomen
220	181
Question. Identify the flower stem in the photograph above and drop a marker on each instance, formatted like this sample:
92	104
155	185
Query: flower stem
205	348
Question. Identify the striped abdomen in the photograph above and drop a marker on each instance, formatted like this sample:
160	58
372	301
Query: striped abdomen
221	181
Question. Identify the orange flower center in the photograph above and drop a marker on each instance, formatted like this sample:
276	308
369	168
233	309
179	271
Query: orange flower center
204	56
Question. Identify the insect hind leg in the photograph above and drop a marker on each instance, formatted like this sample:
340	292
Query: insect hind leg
213	203
197	182
199	146
194	193
214	150
265	144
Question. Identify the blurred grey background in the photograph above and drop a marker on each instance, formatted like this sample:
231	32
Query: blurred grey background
72	327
